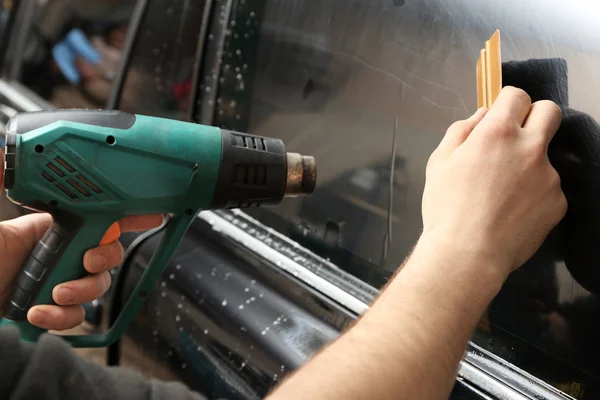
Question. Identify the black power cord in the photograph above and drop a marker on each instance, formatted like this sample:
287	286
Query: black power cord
113	352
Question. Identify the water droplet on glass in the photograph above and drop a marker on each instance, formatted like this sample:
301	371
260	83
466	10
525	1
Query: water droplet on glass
163	294
252	282
163	284
206	331
282	367
180	306
178	266
243	365
246	290
207	89
199	276
172	276
263	333
243	329
177	318
247	301
241	306
199	348
261	295
224	303
211	36
155	332
233	23
275	377
252	298
181	329
237	116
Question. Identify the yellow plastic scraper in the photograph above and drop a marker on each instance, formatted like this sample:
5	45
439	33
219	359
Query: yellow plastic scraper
489	72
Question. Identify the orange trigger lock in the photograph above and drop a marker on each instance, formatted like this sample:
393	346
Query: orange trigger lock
112	234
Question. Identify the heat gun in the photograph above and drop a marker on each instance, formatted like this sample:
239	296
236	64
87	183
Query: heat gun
90	168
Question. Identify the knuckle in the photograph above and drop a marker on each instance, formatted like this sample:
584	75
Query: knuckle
548	106
76	316
104	282
563	204
459	126
500	129
518	94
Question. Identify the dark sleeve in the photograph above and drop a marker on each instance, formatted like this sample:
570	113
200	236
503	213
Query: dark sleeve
51	370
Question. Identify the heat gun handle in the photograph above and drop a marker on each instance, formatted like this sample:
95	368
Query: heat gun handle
175	231
56	258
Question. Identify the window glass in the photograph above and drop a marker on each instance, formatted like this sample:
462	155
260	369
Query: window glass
369	88
159	77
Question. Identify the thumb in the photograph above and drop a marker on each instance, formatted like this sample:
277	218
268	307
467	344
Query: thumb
459	131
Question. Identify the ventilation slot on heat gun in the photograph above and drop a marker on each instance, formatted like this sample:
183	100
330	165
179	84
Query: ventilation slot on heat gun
85	187
254	175
248	142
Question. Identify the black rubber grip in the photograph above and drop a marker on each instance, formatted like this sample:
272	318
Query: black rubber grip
36	270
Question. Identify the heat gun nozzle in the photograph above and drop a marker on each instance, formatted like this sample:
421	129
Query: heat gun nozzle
301	175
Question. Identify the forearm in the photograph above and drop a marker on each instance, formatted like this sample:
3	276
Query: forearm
410	343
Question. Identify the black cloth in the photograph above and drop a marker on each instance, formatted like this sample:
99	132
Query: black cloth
575	154
51	370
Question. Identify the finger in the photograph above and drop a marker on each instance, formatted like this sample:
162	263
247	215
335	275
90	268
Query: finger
103	258
21	234
511	106
136	223
82	290
458	132
543	120
57	318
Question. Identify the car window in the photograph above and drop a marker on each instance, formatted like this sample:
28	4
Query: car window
369	88
159	76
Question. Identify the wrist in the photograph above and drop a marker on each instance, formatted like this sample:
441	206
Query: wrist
478	261
456	277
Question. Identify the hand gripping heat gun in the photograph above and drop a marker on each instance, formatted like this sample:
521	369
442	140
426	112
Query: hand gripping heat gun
91	168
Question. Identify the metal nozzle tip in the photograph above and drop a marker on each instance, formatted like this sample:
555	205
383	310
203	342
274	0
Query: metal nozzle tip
301	175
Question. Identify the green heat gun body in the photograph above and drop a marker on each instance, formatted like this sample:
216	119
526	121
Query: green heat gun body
90	168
